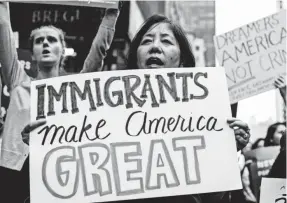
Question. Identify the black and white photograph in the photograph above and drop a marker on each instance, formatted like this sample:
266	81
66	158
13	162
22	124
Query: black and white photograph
142	101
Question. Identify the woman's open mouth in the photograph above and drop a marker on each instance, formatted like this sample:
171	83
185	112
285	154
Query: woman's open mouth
154	61
44	52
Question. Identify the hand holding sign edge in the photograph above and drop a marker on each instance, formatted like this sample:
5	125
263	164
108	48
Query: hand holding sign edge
241	131
29	128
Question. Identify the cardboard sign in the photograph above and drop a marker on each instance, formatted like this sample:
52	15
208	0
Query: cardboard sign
273	190
133	134
91	3
253	55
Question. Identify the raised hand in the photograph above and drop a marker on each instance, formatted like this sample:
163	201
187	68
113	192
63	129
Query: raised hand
281	85
112	11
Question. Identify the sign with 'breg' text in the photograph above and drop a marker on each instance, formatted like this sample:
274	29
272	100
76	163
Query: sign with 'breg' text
131	134
91	3
253	55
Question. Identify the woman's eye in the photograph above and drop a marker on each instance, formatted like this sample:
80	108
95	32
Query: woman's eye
145	41
166	41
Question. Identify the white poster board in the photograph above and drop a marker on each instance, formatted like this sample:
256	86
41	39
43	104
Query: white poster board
253	55
273	190
91	3
143	134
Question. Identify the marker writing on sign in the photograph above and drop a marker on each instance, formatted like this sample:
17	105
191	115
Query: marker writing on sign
138	123
73	134
130	89
127	167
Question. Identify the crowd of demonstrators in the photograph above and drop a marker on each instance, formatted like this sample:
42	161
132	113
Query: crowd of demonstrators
267	157
47	48
268	161
159	43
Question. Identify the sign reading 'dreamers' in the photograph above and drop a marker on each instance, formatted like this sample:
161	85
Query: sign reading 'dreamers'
273	190
253	55
92	3
132	134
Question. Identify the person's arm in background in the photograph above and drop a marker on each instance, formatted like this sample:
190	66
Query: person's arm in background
281	85
102	42
10	68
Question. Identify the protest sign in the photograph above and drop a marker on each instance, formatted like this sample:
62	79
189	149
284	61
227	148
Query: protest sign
132	134
259	162
91	3
273	190
253	55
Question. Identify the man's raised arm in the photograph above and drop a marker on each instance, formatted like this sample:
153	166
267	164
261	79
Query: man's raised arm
102	42
11	71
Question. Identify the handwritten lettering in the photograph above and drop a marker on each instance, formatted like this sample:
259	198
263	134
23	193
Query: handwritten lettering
127	167
118	91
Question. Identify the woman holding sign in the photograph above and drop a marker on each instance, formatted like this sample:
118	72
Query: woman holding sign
162	44
47	47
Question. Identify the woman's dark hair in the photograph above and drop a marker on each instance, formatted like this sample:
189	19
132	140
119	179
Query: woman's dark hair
270	134
186	56
256	143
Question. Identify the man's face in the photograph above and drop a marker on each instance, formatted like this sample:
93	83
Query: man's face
47	47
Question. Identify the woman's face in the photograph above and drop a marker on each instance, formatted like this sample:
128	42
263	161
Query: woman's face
47	47
158	48
278	134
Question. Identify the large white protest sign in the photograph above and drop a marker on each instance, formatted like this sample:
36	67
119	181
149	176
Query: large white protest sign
132	134
91	3
273	190
253	55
